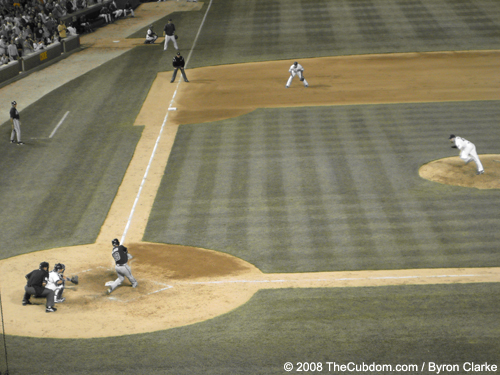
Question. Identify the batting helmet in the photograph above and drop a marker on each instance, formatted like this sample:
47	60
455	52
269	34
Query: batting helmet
115	242
14	102
59	266
43	265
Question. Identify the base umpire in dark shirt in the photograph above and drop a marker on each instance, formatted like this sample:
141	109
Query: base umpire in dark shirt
37	279
178	63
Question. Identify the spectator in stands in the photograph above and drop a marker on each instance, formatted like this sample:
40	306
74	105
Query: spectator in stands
58	11
42	16
84	25
62	29
3	45
6	31
28	47
4	60
19	45
72	30
81	4
39	31
30	40
46	32
40	46
128	8
3	33
70	8
12	51
49	7
117	13
56	38
105	14
16	30
51	23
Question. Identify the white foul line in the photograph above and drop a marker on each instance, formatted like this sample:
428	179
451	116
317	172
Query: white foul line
332	279
57	127
159	136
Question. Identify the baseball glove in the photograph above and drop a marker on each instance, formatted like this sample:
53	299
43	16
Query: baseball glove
302	79
74	280
176	36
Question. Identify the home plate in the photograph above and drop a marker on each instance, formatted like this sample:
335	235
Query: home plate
172	109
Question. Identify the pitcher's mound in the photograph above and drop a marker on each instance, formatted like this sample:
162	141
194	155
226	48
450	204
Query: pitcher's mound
453	171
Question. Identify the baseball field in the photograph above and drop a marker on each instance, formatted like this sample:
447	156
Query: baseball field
327	229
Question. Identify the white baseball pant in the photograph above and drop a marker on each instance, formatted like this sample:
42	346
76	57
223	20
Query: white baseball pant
172	38
292	75
469	154
16	130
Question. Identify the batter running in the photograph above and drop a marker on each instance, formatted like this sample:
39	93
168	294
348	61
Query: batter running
121	257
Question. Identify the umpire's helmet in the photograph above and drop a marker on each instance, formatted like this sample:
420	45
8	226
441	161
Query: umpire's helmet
115	242
43	265
59	266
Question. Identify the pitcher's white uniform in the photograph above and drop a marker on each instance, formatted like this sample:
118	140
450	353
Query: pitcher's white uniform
468	152
296	69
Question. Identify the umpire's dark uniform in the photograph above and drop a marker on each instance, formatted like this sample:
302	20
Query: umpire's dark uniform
36	286
178	63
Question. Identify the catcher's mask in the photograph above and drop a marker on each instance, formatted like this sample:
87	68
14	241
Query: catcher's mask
115	242
59	266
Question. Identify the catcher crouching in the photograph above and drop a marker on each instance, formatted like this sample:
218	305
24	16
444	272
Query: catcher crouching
56	282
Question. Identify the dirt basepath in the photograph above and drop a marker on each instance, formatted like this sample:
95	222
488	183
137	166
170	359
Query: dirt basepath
174	290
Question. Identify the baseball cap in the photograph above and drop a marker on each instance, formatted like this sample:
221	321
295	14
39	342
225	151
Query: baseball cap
452	136
178	53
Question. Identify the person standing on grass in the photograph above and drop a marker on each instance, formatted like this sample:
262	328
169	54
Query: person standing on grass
16	124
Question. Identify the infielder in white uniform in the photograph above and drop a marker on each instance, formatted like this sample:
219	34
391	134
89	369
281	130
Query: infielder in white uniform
467	151
296	69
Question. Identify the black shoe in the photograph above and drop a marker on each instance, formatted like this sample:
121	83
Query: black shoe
186	80
20	143
27	303
12	141
50	309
